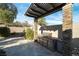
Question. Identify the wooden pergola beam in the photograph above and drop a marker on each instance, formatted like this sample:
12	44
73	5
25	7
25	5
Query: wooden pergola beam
36	11
53	9
40	7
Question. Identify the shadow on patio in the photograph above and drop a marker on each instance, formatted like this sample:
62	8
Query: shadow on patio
26	48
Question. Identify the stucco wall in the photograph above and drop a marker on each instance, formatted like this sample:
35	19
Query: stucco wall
75	31
16	29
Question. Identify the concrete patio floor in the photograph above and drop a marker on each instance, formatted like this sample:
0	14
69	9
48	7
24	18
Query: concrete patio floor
18	46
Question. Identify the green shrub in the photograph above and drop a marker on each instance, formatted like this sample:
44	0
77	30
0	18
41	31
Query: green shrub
4	31
29	33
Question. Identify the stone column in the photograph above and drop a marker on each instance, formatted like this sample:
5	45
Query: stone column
67	29
35	28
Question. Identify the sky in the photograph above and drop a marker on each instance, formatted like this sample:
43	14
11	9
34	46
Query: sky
22	8
52	19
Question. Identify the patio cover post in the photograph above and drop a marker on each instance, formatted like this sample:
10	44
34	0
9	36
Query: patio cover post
35	28
42	31
67	29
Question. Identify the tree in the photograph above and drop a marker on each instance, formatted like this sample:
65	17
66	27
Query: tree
41	21
29	33
26	24
8	12
17	23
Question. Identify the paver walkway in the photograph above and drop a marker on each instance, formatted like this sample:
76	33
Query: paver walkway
20	47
